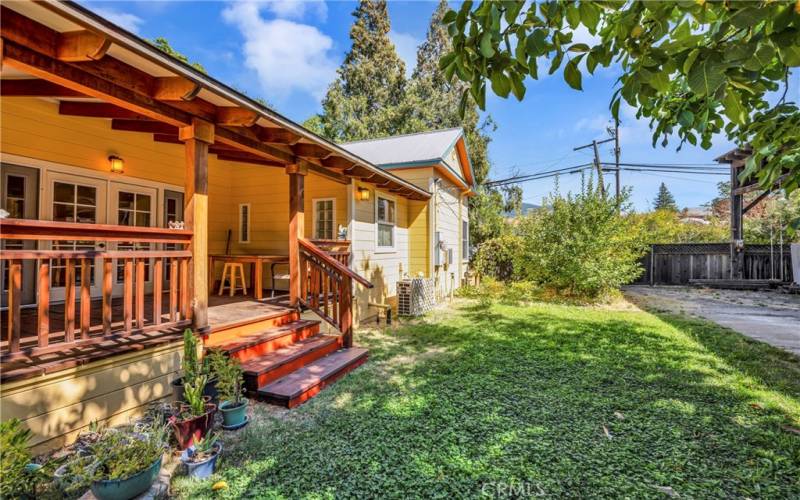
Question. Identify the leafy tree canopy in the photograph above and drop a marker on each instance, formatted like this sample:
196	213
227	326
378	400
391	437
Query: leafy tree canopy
695	69
164	46
664	200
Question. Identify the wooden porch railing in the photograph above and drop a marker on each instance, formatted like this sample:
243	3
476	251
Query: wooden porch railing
130	264
338	249
326	287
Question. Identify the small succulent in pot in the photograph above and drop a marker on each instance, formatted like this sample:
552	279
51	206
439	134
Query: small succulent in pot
200	459
192	368
230	384
195	416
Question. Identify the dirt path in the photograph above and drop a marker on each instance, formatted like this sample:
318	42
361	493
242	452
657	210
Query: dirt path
767	316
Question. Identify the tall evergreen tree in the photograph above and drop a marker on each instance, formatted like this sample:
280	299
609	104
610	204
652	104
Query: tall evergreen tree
664	200
364	101
433	103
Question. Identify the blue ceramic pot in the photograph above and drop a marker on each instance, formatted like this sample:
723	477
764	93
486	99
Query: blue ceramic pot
233	416
129	487
200	470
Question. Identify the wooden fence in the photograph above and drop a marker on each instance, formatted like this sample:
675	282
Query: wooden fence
676	264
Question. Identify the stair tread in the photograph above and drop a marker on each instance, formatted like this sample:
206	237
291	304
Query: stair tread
286	354
305	378
264	336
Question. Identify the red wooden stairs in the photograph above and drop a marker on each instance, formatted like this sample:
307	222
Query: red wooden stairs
285	359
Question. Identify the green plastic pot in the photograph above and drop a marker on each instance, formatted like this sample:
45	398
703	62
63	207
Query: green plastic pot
233	415
129	487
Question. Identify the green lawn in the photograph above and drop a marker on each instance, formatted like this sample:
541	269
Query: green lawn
552	400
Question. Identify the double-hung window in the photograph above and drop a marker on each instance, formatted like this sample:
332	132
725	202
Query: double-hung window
385	218
325	219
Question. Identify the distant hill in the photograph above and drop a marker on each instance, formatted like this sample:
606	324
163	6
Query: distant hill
526	209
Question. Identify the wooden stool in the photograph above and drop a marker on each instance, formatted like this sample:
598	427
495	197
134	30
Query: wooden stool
232	270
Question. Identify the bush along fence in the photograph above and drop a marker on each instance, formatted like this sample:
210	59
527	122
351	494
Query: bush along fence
677	264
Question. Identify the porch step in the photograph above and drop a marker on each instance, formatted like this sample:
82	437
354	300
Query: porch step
229	331
260	371
247	347
305	383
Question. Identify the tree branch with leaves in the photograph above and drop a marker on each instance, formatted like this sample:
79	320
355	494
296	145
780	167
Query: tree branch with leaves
695	70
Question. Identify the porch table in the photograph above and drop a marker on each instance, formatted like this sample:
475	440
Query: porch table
256	272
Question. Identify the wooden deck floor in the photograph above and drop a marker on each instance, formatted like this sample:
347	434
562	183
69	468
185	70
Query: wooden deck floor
221	310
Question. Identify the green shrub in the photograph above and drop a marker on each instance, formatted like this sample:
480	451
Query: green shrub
495	257
582	247
14	456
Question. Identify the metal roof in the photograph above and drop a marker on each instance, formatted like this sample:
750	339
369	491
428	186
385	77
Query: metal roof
414	149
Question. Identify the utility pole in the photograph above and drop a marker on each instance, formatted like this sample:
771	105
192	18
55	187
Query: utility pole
616	156
597	164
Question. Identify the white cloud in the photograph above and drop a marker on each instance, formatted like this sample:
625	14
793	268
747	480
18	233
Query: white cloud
297	9
287	56
406	46
123	19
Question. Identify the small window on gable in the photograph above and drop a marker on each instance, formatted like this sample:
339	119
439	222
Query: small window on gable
385	219
325	219
244	223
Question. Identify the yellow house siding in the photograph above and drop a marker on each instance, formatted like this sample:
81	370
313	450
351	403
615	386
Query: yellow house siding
447	200
57	406
419	221
381	267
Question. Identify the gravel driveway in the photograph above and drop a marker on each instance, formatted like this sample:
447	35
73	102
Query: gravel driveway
767	316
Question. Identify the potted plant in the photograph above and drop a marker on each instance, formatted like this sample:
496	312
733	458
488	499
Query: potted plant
230	385
127	464
192	368
195	416
200	459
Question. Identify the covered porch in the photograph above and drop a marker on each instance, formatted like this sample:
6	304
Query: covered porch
105	127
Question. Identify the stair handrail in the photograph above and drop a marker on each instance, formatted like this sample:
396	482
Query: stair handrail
341	268
326	287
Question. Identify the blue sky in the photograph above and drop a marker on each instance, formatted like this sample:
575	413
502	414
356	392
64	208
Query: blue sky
287	52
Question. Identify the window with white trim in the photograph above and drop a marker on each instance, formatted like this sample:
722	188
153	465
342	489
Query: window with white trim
385	218
244	223
325	218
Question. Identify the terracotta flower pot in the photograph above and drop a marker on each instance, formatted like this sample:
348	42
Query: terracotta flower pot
190	429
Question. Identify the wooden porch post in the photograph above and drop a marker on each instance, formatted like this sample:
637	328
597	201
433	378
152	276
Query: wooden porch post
297	225
196	138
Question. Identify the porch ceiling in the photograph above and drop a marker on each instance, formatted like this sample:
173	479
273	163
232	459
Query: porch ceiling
59	50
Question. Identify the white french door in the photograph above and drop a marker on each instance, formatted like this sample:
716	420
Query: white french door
73	198
132	205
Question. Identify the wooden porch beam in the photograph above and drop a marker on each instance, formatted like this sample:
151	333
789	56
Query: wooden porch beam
254	146
149	126
275	135
83	45
175	88
336	163
324	172
197	137
73	77
34	87
97	110
236	117
239	156
297	225
311	151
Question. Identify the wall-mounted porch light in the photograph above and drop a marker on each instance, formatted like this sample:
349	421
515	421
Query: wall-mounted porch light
116	163
363	194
